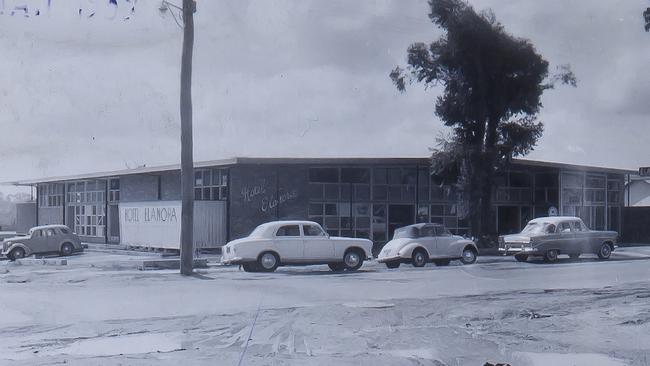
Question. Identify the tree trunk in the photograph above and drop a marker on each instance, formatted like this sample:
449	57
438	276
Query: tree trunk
187	160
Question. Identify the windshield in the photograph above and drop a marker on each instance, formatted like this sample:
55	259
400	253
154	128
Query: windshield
539	228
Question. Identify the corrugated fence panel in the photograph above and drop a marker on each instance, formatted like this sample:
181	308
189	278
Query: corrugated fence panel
209	224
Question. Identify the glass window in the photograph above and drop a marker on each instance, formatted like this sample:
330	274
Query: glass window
565	227
394	175
379	176
316	209
355	175
330	209
324	175
313	230
288	230
428	231
64	230
37	234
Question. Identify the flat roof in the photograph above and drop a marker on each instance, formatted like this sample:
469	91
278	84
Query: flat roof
296	161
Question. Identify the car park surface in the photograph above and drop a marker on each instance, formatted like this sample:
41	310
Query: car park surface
396	316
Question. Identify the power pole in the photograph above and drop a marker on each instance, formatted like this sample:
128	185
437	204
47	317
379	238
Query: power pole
187	160
646	18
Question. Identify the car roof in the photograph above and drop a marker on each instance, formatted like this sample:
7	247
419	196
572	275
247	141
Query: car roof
289	222
49	227
420	225
556	219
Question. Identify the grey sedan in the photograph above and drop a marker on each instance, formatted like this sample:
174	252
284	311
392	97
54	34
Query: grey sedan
42	239
549	237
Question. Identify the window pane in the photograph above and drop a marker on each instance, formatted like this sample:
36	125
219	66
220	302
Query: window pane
311	230
198	178
316	209
355	175
330	209
324	175
288	230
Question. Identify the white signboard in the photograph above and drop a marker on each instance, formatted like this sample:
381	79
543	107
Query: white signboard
155	224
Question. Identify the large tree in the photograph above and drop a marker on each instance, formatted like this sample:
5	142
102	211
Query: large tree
492	83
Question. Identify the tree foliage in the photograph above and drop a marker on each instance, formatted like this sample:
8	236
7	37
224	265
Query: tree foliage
493	83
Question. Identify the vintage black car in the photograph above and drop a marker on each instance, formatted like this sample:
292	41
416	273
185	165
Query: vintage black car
549	237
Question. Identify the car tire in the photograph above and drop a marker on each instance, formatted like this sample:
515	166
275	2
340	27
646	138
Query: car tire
441	262
551	256
67	249
419	258
393	264
268	262
17	253
605	251
521	257
352	260
468	256
336	267
249	267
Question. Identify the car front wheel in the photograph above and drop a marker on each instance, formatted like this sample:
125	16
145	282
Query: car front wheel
551	256
17	253
352	260
67	249
268	262
605	251
468	256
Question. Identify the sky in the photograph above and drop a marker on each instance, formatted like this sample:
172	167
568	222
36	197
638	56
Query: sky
81	93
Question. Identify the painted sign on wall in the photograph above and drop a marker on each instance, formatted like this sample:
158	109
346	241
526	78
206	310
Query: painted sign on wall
151	224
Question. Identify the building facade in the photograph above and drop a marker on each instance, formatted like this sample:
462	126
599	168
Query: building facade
362	197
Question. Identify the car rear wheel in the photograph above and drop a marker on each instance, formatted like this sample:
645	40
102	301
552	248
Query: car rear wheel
605	251
393	264
268	262
469	256
17	253
67	249
419	258
521	257
352	260
336	267
551	256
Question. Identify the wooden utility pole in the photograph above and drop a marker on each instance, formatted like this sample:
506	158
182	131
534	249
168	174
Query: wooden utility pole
187	160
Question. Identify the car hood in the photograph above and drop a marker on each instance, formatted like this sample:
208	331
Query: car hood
17	238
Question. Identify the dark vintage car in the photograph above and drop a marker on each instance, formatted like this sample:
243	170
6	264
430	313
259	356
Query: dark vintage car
42	239
549	237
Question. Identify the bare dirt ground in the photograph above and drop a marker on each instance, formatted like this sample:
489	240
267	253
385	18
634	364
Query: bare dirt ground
572	313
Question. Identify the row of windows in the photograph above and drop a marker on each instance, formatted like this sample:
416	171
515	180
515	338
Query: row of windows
393	176
211	185
50	195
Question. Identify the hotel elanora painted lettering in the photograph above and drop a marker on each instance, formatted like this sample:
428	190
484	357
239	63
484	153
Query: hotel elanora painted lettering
151	223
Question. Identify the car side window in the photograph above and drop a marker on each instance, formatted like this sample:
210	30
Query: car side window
313	230
288	230
428	231
550	229
64	231
577	226
565	227
37	234
50	232
442	231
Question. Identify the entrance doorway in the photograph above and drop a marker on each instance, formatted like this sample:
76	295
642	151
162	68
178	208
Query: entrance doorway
399	216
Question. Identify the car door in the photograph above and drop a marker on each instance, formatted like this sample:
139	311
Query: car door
38	242
427	237
581	237
51	240
288	242
443	242
317	244
567	238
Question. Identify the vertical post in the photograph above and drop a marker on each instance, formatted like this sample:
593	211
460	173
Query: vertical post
187	160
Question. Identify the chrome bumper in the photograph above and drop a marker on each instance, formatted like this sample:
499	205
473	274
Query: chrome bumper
516	248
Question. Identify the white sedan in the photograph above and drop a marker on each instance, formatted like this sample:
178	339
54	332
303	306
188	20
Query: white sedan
421	243
295	242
